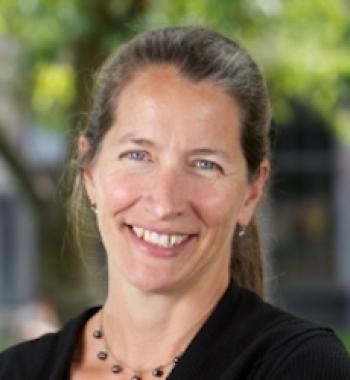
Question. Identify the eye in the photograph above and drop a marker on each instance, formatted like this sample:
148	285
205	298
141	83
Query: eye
207	165
136	155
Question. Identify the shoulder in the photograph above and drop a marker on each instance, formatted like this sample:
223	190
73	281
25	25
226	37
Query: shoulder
247	338
27	357
287	347
40	357
262	323
318	356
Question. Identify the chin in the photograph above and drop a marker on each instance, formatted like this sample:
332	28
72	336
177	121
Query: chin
153	282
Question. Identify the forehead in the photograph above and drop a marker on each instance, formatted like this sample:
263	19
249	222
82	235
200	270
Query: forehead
159	95
166	78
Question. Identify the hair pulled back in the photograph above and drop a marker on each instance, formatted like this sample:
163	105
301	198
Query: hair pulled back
199	54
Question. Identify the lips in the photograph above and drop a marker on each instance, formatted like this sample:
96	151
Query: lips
162	240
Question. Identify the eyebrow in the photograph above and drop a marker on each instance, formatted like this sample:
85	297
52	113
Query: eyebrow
130	138
211	152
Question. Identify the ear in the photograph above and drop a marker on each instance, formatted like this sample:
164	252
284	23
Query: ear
254	193
87	169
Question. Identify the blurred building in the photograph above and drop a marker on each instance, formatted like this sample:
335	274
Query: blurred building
310	223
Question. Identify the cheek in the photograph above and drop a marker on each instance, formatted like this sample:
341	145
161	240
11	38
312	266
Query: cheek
218	204
117	192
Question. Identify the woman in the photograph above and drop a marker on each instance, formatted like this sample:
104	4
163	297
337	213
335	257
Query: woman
174	161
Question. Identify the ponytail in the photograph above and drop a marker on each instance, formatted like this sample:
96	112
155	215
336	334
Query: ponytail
247	260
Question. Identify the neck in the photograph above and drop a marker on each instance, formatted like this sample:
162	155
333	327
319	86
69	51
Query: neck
138	319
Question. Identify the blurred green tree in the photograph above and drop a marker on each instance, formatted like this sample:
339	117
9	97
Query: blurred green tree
60	43
303	47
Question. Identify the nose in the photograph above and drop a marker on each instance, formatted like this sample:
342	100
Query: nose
166	196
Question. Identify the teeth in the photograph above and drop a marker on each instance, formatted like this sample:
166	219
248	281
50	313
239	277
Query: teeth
138	231
162	240
153	237
172	240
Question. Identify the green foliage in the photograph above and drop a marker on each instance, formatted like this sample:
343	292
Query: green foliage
303	46
344	336
49	34
53	92
40	29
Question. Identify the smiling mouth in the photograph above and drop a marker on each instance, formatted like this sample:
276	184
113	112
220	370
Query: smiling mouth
158	239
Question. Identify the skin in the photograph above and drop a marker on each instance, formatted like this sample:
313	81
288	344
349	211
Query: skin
170	163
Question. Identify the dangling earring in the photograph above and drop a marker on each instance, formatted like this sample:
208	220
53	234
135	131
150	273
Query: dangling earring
93	208
241	231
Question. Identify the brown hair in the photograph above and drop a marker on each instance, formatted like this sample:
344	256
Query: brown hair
201	55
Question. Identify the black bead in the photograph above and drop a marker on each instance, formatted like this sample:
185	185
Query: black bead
158	372
97	334
116	368
102	355
176	359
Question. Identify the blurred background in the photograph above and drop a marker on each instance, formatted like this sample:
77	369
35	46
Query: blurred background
49	51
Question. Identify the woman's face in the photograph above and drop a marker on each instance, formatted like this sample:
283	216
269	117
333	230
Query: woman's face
170	182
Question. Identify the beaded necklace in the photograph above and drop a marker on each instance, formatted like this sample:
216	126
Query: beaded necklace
119	366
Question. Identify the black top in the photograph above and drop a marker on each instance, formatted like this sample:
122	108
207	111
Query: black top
243	339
